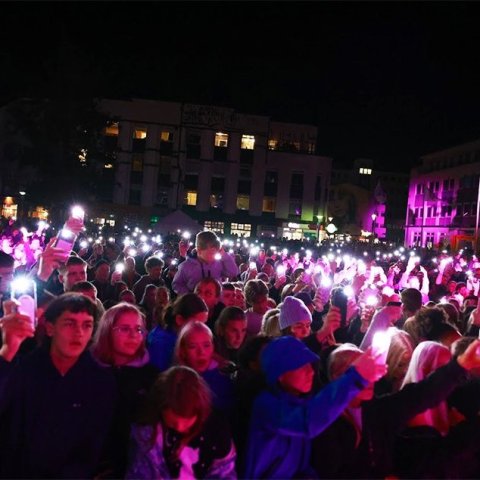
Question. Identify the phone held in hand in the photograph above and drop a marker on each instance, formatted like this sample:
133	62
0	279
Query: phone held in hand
340	299
24	293
65	241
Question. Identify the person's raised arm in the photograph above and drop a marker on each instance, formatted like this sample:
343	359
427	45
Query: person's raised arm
15	329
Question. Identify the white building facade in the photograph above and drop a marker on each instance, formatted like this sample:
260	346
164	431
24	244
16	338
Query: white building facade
233	172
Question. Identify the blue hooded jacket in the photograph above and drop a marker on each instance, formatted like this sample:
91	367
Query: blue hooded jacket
282	425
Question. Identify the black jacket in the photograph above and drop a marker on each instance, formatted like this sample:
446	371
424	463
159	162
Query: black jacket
382	419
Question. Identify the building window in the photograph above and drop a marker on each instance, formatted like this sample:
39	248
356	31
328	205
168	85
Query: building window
164	172
221	140
417	238
419	189
244	187
296	185
295	208
135	194
271	184
193	145
191	181
216	201
190	198
9	209
137	162
243	202
248	142
140	133
241	229
272	144
365	171
111	130
311	148
429	239
162	197
245	173
268	204
166	143
218	227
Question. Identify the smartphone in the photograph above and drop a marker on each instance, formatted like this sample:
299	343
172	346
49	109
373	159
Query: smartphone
78	212
24	292
65	241
340	299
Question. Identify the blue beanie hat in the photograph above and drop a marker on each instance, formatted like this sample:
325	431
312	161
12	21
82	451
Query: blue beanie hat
293	310
284	354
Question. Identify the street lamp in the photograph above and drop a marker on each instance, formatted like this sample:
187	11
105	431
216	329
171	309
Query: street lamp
374	217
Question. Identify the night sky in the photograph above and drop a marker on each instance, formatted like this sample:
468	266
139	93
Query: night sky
383	80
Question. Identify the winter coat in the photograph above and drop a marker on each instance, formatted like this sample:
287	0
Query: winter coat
382	418
133	383
211	454
282	427
192	270
53	425
161	347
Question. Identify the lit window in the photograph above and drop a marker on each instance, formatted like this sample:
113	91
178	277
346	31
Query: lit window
108	165
82	157
40	213
190	198
166	137
248	142
221	139
240	229
243	202
268	204
272	144
365	171
112	130
140	133
9	209
218	227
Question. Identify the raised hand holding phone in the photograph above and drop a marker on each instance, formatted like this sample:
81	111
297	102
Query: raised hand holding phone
24	293
50	259
15	329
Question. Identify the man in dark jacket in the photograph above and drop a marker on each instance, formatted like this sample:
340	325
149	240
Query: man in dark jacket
56	403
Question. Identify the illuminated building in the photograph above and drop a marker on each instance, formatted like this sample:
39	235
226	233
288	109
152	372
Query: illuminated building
443	198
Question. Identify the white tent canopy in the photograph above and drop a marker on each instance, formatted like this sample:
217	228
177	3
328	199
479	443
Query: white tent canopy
177	220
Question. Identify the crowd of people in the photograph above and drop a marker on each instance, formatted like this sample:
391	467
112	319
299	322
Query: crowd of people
180	357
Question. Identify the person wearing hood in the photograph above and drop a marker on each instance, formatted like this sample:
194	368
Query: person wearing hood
287	415
119	343
210	260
